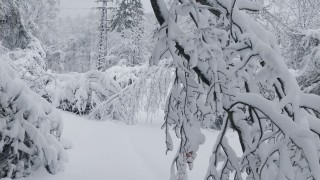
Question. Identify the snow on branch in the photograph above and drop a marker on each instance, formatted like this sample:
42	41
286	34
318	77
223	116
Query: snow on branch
145	90
229	72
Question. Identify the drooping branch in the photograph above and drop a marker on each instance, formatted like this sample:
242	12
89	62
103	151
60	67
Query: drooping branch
160	10
238	46
285	124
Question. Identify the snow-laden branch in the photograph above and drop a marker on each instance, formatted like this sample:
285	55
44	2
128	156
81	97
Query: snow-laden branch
298	133
30	129
144	91
225	60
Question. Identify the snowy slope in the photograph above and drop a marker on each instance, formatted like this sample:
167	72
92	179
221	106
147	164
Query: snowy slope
115	151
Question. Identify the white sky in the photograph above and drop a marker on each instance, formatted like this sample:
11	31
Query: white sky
81	7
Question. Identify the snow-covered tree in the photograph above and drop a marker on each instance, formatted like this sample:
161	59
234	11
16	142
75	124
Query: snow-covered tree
13	33
130	47
25	51
292	21
127	14
229	69
39	17
30	129
77	44
296	24
128	20
309	68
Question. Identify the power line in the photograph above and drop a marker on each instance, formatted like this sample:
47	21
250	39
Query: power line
77	8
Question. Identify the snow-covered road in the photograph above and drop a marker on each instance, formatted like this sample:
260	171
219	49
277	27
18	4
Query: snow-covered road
114	151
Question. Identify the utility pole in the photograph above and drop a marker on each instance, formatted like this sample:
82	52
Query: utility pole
103	33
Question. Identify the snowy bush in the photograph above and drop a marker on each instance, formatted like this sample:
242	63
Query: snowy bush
76	92
118	93
229	69
30	129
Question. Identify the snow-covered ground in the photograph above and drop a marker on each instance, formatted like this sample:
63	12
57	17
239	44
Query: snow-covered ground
115	151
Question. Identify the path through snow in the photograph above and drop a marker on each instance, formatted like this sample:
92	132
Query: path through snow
104	150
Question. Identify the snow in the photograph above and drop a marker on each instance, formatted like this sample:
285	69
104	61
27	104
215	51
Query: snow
228	69
109	150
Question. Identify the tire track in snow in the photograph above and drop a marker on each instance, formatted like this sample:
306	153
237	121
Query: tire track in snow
115	151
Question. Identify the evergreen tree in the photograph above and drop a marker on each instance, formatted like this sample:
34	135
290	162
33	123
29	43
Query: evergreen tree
13	33
128	17
127	14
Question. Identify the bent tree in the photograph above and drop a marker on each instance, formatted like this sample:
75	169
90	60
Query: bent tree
228	68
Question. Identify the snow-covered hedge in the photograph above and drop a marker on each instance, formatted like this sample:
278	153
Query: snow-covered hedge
30	128
77	92
118	93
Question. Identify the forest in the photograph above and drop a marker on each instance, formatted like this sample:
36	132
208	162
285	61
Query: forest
160	89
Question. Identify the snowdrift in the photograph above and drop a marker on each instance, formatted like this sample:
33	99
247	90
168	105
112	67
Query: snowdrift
30	128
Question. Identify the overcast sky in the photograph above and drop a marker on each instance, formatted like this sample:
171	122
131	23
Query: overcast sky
81	7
